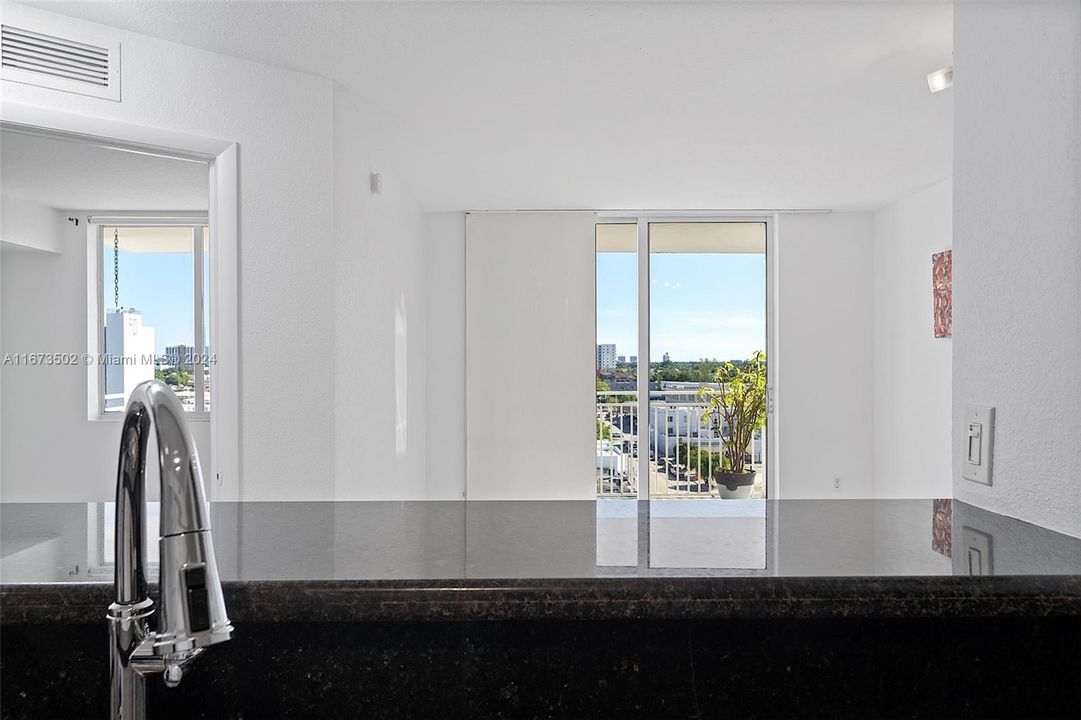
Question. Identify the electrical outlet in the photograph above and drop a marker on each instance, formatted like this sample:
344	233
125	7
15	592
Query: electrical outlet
836	483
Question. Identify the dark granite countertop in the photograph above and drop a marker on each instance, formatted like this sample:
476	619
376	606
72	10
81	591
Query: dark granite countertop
585	599
361	561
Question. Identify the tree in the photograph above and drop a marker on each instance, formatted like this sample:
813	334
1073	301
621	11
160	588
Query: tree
704	461
740	402
604	430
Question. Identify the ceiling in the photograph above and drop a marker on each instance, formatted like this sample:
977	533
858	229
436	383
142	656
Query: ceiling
71	175
614	105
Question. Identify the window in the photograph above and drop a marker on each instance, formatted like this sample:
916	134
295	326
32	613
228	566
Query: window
152	313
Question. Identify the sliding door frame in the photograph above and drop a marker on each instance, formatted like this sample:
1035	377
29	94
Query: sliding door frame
642	221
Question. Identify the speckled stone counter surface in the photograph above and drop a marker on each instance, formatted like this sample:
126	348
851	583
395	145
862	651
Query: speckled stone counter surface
339	601
840	609
862	668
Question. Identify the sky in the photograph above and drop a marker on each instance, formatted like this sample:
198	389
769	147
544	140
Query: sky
702	305
161	287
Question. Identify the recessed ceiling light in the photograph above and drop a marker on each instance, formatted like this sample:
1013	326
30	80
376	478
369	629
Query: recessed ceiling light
940	79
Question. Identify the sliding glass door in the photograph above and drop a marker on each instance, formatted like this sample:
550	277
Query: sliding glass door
617	360
707	350
683	305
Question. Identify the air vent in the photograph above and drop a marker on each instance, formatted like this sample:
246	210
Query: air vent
78	65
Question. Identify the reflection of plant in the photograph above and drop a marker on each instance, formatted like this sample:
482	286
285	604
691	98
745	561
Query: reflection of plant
740	403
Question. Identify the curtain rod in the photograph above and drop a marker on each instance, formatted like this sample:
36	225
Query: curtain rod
175	218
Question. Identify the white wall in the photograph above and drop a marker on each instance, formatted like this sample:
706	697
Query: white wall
912	368
283	122
1017	252
43	299
334	289
380	306
28	224
530	356
824	359
445	280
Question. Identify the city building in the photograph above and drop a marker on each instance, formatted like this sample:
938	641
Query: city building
606	356
177	355
129	348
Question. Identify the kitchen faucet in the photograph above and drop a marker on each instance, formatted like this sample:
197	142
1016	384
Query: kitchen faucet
191	609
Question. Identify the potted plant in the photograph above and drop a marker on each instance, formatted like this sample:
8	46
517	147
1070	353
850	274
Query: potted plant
738	402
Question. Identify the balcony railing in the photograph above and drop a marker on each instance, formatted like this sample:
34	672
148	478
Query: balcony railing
617	444
676	424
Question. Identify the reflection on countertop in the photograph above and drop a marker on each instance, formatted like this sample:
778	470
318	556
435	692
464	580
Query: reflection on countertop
414	540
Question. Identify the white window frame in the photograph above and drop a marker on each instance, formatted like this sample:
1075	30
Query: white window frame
95	225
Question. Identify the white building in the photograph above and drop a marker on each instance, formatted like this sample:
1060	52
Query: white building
606	356
129	349
682	416
672	424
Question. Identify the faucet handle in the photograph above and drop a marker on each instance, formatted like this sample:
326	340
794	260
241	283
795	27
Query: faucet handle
172	666
173	674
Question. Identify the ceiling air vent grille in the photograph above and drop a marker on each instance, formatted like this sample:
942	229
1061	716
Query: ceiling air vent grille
83	66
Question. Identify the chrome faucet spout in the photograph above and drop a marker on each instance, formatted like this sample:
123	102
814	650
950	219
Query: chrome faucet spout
191	608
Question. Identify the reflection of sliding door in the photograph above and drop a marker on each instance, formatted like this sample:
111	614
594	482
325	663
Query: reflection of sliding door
530	324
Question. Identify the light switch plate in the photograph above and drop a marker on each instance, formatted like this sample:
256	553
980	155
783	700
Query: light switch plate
978	438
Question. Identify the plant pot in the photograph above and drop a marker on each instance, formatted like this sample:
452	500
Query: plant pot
734	486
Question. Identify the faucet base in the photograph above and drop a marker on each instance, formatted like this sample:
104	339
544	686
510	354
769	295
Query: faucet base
128	634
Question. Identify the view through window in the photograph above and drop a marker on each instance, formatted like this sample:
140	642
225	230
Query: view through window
617	360
706	433
155	313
